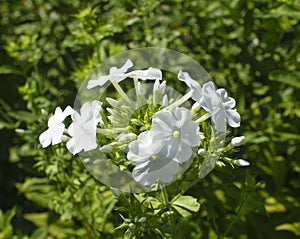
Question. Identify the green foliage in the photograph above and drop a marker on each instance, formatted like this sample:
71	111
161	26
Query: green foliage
251	48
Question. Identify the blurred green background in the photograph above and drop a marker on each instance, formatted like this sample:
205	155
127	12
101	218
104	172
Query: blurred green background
250	47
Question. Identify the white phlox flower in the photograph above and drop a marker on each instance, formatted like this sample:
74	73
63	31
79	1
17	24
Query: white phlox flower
115	73
151	164
219	106
148	74
179	132
158	153
83	128
53	135
194	86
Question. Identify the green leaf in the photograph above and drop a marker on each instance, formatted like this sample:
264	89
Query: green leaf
282	11
58	228
7	69
6	229
286	77
37	190
39	234
184	205
292	227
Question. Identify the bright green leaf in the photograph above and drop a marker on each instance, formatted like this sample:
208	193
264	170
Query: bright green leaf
186	204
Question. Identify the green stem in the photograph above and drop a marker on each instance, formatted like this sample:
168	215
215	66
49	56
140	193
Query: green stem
181	100
170	218
203	118
136	81
109	132
228	229
119	89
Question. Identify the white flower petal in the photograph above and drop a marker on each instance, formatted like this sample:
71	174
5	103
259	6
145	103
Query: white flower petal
233	118
149	74
128	64
114	73
219	121
68	111
57	133
71	146
210	99
163	174
228	102
192	84
45	138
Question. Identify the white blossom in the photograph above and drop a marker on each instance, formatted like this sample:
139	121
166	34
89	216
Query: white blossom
115	73
219	106
53	135
83	128
158	153
192	84
151	164
179	132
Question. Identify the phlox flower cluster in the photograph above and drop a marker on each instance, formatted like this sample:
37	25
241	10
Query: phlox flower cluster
167	136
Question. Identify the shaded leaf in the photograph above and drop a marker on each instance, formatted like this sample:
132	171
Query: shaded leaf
9	69
292	227
286	77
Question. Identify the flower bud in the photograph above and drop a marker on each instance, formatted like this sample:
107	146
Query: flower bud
165	101
201	152
106	148
20	131
142	219
129	137
220	164
112	101
241	163
237	141
196	106
132	226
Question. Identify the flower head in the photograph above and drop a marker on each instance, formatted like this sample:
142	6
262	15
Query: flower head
115	73
83	128
158	153
220	107
151	164
53	135
179	132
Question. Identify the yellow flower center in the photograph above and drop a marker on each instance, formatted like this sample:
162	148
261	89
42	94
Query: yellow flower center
176	134
154	157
